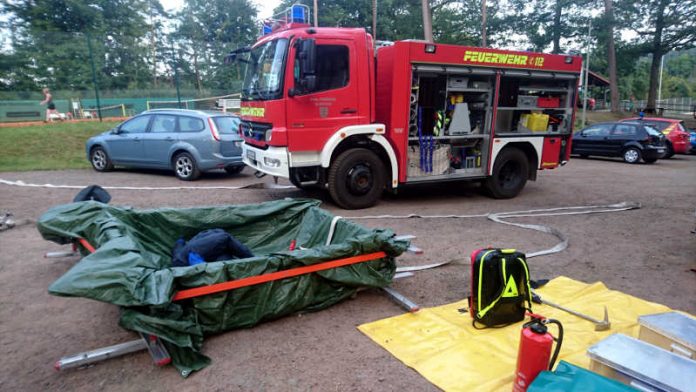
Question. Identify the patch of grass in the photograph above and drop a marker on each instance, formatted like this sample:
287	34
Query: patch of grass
50	146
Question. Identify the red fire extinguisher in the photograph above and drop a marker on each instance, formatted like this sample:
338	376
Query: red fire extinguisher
535	351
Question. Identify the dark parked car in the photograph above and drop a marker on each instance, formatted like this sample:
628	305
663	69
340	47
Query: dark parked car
631	141
677	137
186	141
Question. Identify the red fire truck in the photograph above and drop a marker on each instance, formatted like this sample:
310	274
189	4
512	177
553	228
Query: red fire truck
324	108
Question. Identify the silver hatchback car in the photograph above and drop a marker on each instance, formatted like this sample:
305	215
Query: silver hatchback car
187	141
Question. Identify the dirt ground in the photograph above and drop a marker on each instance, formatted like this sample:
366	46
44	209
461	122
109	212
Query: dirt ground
648	253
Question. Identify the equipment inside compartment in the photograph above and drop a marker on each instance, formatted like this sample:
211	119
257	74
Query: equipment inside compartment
451	115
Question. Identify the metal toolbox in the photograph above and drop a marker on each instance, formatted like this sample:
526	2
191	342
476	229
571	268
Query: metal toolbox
675	332
458	82
642	365
527	101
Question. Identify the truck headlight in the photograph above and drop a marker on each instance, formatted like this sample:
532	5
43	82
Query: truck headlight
269	133
271	162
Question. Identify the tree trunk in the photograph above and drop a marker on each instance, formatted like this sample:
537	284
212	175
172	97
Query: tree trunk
153	42
195	69
557	27
484	13
657	52
374	20
427	21
611	57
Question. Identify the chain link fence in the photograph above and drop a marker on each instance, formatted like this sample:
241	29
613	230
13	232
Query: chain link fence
683	105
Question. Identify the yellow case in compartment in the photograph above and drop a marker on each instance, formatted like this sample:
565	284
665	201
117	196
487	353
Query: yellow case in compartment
535	122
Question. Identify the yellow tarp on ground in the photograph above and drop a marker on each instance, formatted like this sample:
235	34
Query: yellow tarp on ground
441	344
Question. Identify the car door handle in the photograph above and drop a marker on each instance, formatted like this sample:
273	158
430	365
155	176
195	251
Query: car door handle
349	111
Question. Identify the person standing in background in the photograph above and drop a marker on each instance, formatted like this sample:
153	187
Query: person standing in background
48	101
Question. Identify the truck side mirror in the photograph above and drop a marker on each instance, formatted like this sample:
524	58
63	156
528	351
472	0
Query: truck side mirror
306	80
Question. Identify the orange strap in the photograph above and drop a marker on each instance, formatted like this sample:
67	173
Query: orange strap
86	245
258	279
254	280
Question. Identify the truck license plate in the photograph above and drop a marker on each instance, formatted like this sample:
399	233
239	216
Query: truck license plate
251	155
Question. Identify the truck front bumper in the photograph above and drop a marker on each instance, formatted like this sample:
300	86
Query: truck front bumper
272	161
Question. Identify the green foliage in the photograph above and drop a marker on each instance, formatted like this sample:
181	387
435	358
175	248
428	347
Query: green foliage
131	49
50	44
51	146
546	22
208	30
454	22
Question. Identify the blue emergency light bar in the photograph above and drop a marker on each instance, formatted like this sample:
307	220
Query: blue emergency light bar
297	13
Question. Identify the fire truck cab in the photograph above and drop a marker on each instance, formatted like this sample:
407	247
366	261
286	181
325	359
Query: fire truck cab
323	108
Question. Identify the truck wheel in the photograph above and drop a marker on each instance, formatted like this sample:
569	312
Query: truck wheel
510	173
356	179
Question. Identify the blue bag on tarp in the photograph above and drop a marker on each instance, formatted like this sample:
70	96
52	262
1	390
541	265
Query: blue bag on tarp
206	246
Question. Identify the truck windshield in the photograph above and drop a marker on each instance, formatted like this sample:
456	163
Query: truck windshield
264	73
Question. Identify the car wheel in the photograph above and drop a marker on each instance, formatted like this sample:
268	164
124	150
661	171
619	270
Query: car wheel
670	151
234	169
100	160
185	167
510	173
631	155
651	160
356	179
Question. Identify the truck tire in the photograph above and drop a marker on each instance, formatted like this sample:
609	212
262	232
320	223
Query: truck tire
356	179
510	173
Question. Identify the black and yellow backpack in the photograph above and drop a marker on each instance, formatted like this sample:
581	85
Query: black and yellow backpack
499	287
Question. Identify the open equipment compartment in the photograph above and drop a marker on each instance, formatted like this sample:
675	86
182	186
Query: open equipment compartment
449	121
535	103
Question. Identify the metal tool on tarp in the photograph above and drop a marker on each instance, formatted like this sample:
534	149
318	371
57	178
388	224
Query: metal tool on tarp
600	325
152	343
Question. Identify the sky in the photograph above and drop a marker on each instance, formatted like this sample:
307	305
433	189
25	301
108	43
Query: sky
265	7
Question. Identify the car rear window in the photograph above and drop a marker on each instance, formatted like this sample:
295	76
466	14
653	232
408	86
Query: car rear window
659	125
651	131
227	125
190	124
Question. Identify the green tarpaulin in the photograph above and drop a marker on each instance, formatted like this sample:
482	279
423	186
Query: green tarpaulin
132	265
